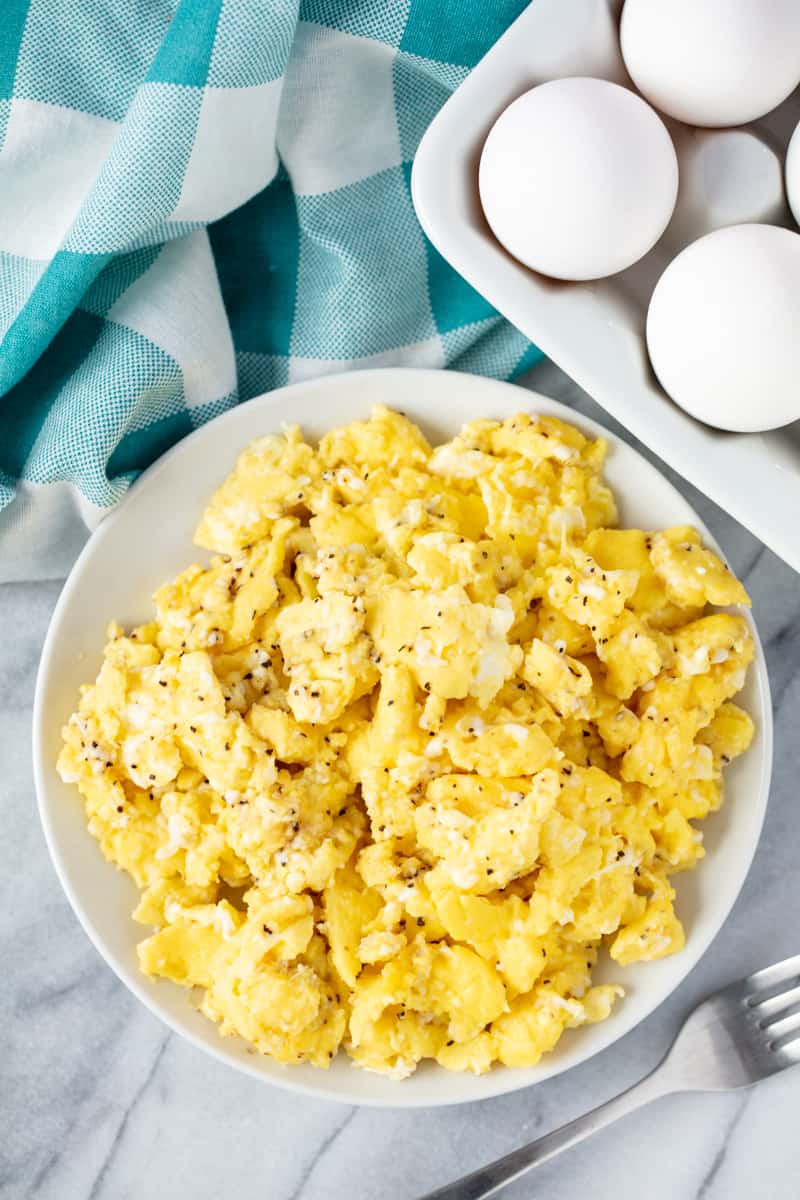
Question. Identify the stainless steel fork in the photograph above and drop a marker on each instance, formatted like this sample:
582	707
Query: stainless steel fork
743	1033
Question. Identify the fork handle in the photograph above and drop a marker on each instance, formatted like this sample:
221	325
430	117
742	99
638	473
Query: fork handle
488	1180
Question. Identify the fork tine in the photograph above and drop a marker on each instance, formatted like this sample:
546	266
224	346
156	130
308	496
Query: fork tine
773	976
775	1005
789	1053
780	1029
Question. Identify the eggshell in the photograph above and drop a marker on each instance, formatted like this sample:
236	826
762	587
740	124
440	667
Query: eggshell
723	328
712	62
578	178
793	174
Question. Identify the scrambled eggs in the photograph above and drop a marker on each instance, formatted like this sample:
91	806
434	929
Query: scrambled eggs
426	736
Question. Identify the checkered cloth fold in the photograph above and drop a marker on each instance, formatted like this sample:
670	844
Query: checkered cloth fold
200	202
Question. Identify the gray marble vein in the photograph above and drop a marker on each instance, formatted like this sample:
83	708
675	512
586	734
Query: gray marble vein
97	1100
722	1153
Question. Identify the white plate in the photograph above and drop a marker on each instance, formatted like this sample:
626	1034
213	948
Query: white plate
149	539
595	331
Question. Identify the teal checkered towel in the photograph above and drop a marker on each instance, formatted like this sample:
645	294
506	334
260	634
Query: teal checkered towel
200	201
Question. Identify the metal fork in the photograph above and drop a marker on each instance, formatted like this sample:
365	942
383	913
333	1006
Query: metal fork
743	1033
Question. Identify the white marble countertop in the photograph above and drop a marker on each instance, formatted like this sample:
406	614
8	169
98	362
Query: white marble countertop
98	1100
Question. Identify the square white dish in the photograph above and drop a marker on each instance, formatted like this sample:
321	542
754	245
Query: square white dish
595	331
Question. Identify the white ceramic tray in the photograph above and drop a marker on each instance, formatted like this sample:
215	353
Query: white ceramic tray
595	331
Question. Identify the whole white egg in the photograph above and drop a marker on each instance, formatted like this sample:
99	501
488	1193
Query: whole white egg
793	174
712	62
723	328
578	178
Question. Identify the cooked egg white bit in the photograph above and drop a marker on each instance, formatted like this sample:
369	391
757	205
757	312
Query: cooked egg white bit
427	736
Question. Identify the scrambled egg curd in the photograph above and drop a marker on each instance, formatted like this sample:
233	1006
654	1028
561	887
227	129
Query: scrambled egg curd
426	736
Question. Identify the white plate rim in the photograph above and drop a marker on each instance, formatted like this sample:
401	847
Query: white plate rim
500	1080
